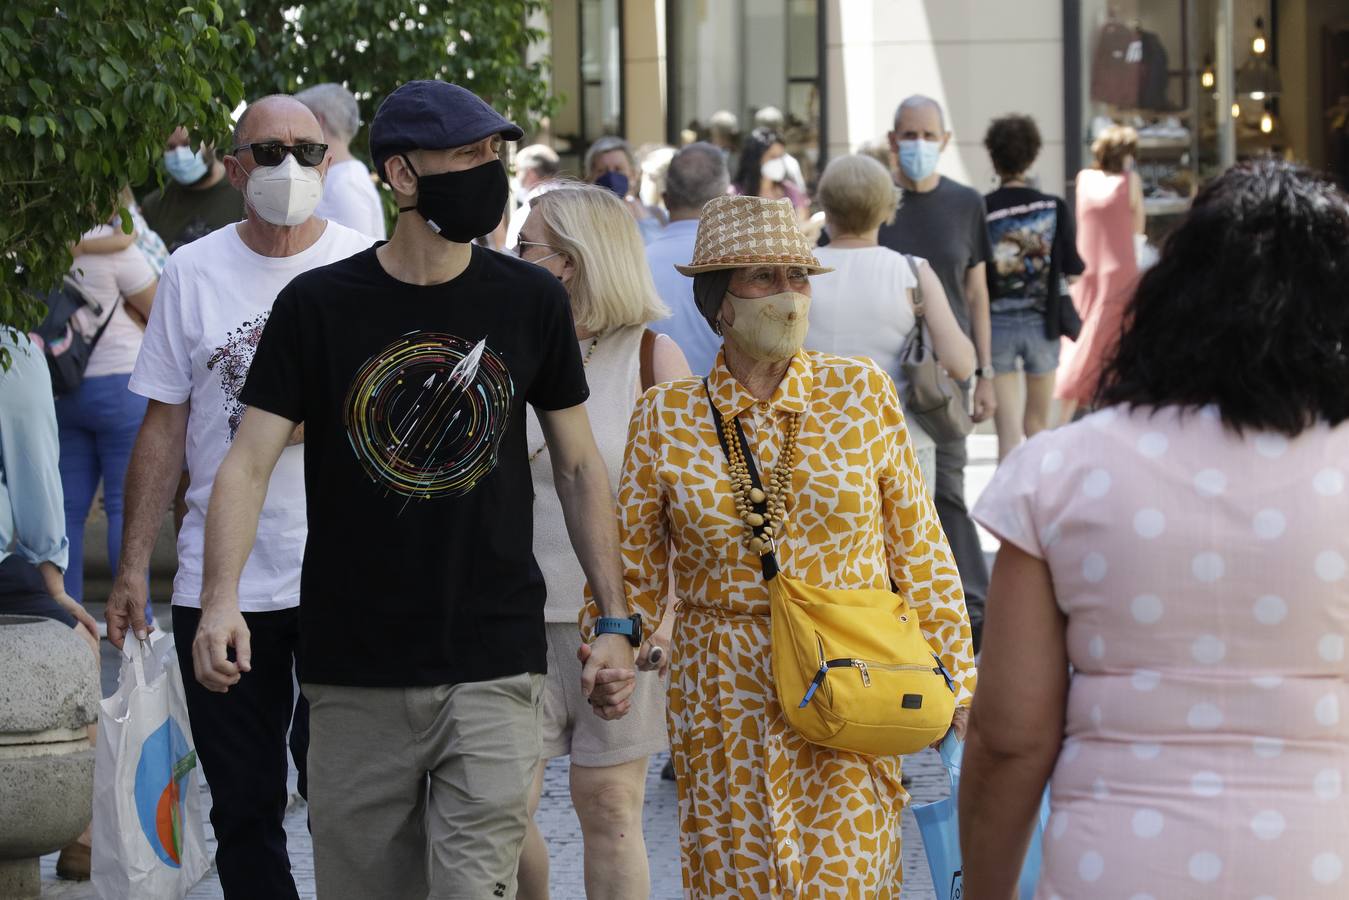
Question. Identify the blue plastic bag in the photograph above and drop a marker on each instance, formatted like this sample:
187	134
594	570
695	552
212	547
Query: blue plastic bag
940	829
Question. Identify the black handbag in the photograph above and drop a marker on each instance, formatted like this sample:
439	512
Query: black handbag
66	347
932	398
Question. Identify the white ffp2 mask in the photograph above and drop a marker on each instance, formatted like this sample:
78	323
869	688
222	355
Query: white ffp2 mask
284	194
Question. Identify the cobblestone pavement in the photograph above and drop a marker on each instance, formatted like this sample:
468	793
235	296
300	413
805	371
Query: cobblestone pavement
556	817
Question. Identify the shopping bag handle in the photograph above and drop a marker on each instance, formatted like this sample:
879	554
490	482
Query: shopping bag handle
138	658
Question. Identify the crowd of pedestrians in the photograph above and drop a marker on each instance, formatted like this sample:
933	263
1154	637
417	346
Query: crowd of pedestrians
559	468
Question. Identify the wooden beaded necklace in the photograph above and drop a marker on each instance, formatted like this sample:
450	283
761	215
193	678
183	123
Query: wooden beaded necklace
761	528
585	361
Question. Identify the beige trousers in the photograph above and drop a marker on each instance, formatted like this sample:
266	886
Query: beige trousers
421	792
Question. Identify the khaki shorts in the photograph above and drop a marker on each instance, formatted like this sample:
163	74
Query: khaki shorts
421	792
570	728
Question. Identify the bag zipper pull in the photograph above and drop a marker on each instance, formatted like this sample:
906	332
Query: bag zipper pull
815	684
862	667
941	670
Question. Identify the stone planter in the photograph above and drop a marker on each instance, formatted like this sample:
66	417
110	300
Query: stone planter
49	696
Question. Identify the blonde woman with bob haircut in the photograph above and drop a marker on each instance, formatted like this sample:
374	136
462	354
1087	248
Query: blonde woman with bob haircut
586	238
865	307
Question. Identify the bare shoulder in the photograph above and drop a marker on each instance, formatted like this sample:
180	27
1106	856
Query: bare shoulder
667	360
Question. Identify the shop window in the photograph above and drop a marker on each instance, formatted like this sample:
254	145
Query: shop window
739	57
601	29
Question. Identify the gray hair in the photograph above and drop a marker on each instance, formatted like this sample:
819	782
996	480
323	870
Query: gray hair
540	159
770	117
921	101
335	107
709	291
605	145
697	174
723	123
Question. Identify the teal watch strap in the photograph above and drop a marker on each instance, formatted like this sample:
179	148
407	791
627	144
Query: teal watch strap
631	627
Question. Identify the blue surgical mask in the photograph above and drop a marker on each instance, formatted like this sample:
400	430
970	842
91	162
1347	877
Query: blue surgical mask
184	166
918	158
614	181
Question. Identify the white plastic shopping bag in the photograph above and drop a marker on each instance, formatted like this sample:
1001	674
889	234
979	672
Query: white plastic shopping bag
147	834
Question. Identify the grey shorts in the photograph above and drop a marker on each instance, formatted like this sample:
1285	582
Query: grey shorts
421	792
1020	336
570	728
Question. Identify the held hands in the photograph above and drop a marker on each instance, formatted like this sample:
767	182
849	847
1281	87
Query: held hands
607	675
985	402
222	626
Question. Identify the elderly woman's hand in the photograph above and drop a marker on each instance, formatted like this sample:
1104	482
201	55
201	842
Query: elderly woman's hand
960	723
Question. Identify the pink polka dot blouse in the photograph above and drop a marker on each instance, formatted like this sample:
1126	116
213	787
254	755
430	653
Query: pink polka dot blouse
1204	579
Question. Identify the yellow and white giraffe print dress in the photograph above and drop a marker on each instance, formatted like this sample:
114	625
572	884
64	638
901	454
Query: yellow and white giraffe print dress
764	813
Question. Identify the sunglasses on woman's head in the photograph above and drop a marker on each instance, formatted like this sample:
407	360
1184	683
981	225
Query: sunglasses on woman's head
272	153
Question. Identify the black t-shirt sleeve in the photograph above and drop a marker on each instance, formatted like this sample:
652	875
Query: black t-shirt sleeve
1065	243
981	248
276	377
560	382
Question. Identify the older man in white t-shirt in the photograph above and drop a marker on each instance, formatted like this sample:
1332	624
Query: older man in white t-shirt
349	194
214	297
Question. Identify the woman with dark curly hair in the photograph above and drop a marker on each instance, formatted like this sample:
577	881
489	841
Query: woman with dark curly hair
1184	549
1033	250
763	171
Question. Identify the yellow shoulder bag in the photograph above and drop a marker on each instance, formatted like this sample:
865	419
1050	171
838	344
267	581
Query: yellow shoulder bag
851	666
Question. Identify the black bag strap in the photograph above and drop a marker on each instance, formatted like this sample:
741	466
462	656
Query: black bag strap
104	327
768	560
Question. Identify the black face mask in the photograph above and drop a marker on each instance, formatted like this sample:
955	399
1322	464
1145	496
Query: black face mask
461	206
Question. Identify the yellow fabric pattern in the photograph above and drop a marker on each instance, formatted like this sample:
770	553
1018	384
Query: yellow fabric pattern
763	812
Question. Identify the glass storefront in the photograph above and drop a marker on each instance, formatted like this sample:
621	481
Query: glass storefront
740	56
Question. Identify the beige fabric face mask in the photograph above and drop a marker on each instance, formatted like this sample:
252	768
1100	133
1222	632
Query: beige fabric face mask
769	329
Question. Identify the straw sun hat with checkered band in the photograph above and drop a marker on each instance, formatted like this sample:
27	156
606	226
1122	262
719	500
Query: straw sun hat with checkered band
750	231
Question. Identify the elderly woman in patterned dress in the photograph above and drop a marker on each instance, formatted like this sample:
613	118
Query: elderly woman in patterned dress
763	812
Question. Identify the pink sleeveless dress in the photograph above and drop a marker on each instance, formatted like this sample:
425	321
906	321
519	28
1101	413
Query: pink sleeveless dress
1105	242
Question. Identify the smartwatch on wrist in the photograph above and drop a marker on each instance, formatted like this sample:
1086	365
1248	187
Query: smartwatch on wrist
631	627
984	372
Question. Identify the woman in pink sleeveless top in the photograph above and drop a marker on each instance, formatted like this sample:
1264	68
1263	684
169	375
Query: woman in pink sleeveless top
1109	213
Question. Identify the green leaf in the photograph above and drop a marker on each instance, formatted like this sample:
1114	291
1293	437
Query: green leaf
37	126
27	18
83	121
41	89
108	76
11	123
119	118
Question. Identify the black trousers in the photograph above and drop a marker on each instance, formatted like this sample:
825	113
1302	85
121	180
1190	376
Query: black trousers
961	534
241	742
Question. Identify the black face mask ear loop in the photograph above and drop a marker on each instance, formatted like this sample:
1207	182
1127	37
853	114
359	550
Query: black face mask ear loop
415	174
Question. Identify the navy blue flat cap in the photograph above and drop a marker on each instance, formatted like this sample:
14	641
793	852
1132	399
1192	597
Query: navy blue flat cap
433	115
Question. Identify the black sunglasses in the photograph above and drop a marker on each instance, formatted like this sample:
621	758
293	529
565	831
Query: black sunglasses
272	153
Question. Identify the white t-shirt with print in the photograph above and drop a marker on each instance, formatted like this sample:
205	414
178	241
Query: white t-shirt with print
351	199
214	297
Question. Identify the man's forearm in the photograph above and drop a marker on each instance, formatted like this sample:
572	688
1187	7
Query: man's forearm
981	325
231	528
52	578
592	524
151	478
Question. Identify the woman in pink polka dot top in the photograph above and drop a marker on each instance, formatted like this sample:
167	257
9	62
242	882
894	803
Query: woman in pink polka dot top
1184	551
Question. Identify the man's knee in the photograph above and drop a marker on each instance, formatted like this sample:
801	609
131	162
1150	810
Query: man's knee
609	806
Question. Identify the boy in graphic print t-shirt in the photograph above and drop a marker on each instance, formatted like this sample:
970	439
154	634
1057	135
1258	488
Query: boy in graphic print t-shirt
423	634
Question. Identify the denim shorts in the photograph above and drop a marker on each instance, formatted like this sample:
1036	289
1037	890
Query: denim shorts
1020	335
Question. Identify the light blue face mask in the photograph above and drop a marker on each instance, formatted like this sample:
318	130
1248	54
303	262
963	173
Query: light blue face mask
918	158
184	166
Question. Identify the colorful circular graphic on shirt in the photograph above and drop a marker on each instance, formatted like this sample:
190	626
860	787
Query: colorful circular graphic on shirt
426	415
162	772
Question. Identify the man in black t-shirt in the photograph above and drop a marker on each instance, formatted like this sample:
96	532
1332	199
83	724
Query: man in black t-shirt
422	633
